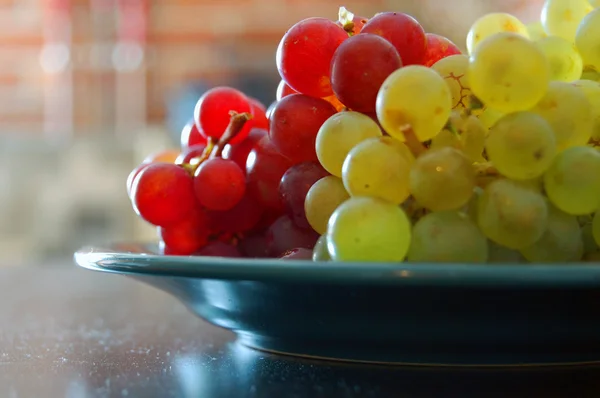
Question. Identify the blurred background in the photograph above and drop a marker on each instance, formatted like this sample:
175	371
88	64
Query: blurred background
88	88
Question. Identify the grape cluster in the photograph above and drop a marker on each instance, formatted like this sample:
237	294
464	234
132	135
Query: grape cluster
386	143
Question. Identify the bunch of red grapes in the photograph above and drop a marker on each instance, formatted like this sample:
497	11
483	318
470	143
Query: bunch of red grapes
238	186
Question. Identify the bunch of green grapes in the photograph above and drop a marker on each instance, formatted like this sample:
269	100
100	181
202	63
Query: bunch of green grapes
491	24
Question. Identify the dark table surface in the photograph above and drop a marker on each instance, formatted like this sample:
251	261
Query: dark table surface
68	332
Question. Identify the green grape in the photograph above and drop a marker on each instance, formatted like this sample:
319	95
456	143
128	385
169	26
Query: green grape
536	31
589	242
590	74
508	72
562	17
572	182
565	62
447	236
591	90
596	228
320	251
442	179
491	24
561	241
368	229
569	113
378	167
339	134
471	207
454	71
511	214
465	133
414	96
499	254
321	201
521	145
588	40
489	117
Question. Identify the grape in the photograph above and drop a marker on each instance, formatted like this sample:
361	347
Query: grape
572	182
163	194
304	55
588	40
191	136
562	17
295	122
454	71
187	236
212	112
254	246
320	251
239	152
508	72
501	254
368	229
468	136
359	67
167	156
188	154
489	117
242	217
442	179
403	31
283	90
219	184
521	145
565	62
295	184
591	90
511	214
133	174
270	111
283	235
490	24
569	113
438	47
587	236
596	228
425	109
298	254
561	241
590	74
339	134
447	236
321	201
264	168
378	167
259	114
217	248
536	31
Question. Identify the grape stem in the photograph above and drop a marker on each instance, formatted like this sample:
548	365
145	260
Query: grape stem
485	173
412	142
236	124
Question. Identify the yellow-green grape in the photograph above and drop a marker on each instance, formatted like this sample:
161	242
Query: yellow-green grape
414	96
596	228
442	179
590	74
511	214
561	241
491	24
447	236
320	251
572	182
588	40
521	145
368	229
536	31
562	17
565	62
339	134
508	72
471	207
499	254
321	201
587	235
465	133
569	113
489	117
591	90
378	167
454	71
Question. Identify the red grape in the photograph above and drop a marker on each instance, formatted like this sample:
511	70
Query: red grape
438	47
166	156
294	186
283	90
264	168
298	254
304	55
133	174
358	69
239	152
190	153
403	31
295	122
163	194
217	248
187	236
212	112
259	114
219	184
283	235
242	217
190	136
254	246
